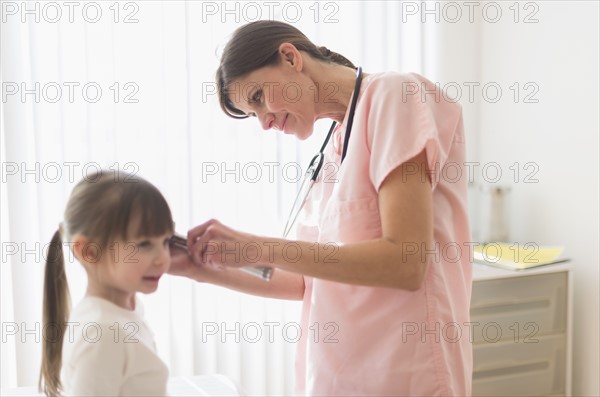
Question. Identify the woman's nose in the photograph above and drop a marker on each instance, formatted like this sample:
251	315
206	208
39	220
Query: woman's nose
266	120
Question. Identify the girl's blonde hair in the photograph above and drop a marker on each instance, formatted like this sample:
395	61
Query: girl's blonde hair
101	208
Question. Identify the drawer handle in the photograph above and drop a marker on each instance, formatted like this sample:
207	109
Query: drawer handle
509	307
512	370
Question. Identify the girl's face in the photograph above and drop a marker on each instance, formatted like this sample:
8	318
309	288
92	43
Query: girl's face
127	267
281	97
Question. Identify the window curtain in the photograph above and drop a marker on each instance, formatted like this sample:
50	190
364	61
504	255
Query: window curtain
130	86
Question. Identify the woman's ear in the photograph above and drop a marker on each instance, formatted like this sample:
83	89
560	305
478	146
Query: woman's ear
290	56
86	251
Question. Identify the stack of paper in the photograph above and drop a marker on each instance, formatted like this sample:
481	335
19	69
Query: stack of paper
517	256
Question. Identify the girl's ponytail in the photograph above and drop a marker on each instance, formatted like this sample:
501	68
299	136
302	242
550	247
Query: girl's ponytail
55	316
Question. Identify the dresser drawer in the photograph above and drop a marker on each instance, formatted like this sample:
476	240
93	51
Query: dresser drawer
519	308
520	369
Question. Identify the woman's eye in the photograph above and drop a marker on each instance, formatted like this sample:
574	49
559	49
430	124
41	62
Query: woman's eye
256	97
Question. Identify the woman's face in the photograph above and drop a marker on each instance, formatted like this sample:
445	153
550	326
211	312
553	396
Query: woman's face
281	97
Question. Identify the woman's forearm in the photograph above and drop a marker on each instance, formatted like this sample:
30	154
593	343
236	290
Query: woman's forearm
282	285
375	263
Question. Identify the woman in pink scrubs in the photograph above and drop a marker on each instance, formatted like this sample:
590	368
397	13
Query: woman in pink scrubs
396	286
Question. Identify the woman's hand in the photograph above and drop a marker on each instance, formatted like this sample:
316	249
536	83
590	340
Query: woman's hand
214	252
215	245
182	264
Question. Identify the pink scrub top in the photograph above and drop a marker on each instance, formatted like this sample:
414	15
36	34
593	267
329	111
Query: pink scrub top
381	341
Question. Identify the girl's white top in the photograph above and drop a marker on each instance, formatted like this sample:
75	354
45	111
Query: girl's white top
110	351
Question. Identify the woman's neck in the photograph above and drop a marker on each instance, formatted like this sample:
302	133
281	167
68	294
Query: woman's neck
334	84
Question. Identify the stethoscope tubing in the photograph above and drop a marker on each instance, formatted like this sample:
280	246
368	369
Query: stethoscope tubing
311	175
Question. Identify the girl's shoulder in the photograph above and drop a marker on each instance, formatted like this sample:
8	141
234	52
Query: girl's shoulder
95	310
98	323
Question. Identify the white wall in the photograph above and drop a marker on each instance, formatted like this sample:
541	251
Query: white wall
559	134
543	140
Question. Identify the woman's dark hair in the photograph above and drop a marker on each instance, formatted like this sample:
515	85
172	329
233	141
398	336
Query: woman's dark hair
101	207
256	45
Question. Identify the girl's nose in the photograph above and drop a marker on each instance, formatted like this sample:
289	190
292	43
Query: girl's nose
163	259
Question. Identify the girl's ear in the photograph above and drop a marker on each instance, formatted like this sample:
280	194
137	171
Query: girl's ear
86	251
290	56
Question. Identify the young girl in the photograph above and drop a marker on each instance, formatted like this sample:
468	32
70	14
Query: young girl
118	227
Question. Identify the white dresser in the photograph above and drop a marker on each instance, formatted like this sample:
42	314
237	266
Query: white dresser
521	331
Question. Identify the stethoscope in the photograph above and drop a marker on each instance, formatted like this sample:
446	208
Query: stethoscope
315	165
311	175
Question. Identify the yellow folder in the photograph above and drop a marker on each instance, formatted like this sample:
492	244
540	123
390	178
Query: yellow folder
517	256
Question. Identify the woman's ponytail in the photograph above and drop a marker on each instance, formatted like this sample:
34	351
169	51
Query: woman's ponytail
335	57
55	316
